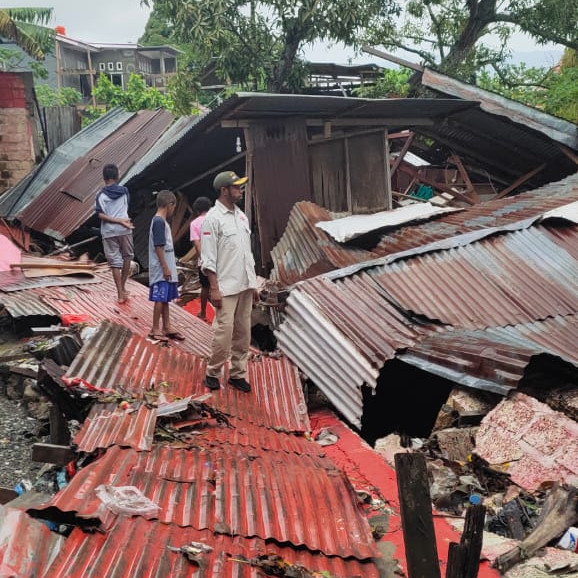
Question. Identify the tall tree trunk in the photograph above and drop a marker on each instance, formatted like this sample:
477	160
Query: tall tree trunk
482	13
281	72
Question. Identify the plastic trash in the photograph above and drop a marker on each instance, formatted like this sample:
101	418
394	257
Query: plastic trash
569	541
127	500
475	499
22	487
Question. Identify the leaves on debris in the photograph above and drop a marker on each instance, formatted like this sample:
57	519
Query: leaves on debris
275	565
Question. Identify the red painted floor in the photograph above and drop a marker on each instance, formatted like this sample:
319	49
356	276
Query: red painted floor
367	469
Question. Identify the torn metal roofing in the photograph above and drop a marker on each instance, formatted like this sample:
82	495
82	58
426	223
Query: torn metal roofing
365	315
495	359
498	213
27	546
16	281
67	201
16	199
529	441
347	228
117	358
138	547
303	500
557	129
305	250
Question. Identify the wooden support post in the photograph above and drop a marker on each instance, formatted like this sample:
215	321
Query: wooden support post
569	153
388	198
519	182
52	454
59	433
469	186
416	516
456	561
7	495
348	176
404	150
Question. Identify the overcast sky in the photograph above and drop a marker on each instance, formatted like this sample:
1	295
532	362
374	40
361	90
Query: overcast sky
123	21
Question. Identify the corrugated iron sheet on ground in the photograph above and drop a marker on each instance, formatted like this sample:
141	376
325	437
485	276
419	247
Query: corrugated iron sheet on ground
137	547
68	200
116	358
106	428
27	546
302	500
108	425
491	214
495	359
529	441
305	250
99	303
16	281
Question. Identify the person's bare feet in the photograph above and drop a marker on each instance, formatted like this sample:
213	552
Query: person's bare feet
124	298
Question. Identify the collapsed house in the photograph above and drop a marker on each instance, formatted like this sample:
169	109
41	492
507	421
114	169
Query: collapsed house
440	296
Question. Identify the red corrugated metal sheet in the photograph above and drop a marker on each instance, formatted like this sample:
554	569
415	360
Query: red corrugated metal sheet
108	425
17	235
106	428
302	499
98	301
117	358
68	201
27	546
138	547
491	214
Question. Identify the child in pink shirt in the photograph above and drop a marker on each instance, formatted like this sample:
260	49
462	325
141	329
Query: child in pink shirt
201	207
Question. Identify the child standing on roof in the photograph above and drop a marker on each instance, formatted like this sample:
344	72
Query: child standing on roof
201	207
162	269
116	228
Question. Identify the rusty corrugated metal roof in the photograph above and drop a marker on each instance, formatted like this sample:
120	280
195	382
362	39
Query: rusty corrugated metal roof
498	213
360	320
305	250
68	201
495	359
509	279
115	357
303	500
27	546
137	547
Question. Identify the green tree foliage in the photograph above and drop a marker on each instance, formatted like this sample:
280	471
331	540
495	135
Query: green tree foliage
451	35
258	43
66	96
553	91
136	96
393	84
26	28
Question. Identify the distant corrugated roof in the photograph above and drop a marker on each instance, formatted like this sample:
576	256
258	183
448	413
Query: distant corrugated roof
16	199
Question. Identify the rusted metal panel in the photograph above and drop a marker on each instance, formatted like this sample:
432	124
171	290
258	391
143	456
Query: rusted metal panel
504	280
27	546
305	250
16	281
124	429
137	547
531	442
117	358
498	213
302	500
68	201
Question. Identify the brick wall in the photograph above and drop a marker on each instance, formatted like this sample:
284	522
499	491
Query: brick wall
17	151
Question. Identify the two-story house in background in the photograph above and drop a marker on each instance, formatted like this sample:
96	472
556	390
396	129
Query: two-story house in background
78	64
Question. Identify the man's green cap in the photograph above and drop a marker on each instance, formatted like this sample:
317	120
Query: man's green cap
227	179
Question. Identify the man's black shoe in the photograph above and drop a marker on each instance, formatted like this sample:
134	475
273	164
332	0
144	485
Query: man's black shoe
240	383
212	382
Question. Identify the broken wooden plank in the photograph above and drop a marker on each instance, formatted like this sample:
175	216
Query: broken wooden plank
560	511
402	153
416	516
520	181
464	174
7	495
52	454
